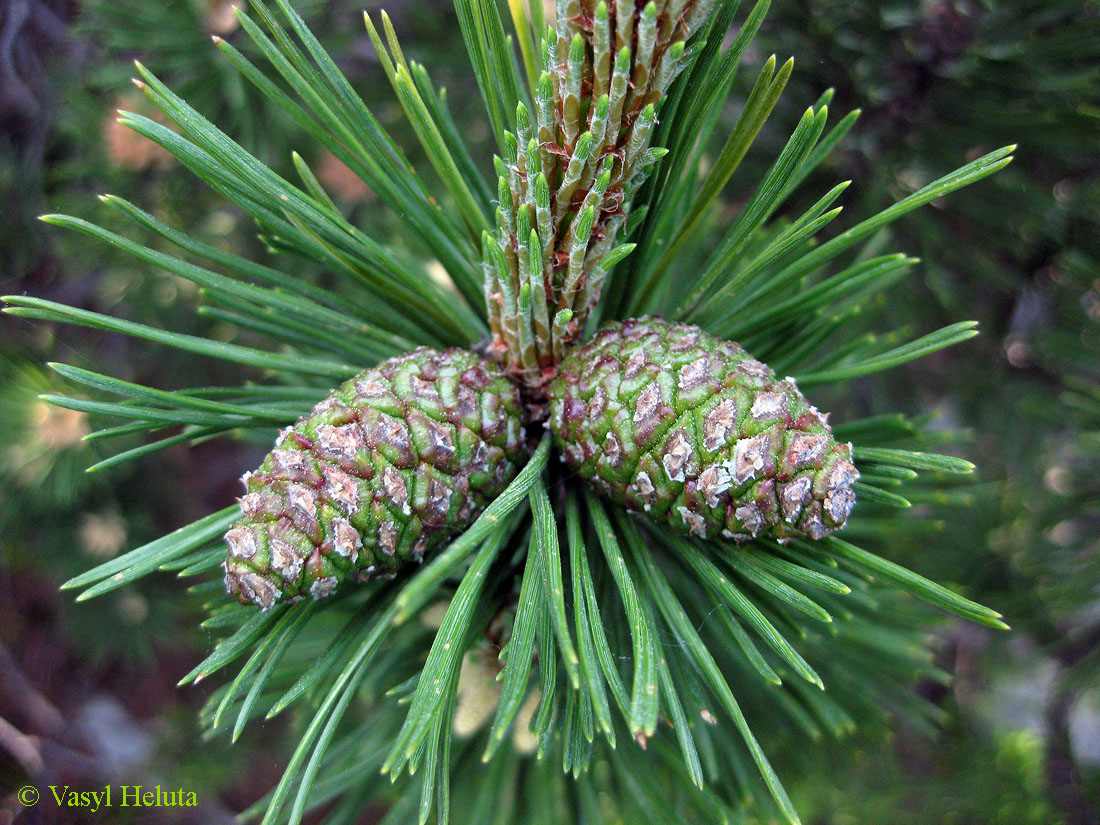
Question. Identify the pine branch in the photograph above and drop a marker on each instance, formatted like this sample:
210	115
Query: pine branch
605	208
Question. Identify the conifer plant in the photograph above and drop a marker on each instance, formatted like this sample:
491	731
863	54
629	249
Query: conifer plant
554	519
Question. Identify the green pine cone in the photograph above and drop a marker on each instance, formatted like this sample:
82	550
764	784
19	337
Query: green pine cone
393	463
666	419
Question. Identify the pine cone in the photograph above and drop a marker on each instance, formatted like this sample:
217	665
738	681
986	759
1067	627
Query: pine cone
667	419
393	463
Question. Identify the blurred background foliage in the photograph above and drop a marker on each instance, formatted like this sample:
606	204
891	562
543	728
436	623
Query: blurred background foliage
938	81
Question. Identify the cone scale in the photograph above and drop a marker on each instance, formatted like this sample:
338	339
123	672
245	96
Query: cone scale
390	465
672	422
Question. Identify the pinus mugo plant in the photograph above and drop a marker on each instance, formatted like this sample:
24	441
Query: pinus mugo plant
596	637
